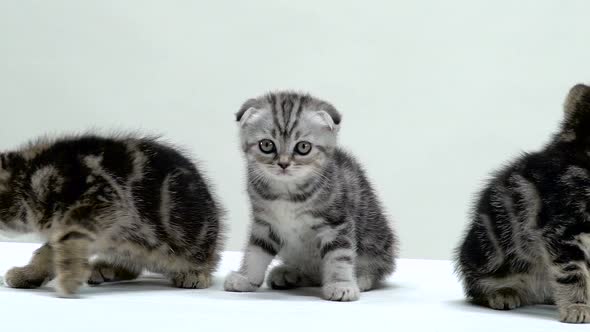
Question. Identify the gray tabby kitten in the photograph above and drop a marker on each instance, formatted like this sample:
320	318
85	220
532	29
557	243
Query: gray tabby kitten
529	237
134	202
312	204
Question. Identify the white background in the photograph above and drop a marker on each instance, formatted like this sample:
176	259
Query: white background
434	94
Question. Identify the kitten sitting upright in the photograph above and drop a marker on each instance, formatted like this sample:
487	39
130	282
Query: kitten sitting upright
529	240
134	202
312	204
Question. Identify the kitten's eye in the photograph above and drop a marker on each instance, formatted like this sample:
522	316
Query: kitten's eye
266	146
303	148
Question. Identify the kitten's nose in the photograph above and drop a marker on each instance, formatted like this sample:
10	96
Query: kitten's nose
284	161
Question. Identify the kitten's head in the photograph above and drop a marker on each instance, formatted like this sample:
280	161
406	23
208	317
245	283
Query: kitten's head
576	124
287	136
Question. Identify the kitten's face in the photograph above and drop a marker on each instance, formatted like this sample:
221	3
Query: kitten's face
287	137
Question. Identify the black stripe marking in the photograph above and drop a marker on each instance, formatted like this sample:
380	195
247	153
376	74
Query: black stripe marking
570	268
297	116
570	279
335	221
321	148
263	244
339	243
74	236
271	233
345	259
569	253
287	107
273	109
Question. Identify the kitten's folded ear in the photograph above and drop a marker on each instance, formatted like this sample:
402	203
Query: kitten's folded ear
577	100
247	112
330	116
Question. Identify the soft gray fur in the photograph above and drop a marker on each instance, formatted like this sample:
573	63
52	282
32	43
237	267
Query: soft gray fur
134	202
315	210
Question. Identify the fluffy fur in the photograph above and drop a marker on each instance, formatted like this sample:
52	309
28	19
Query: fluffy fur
132	202
312	204
529	240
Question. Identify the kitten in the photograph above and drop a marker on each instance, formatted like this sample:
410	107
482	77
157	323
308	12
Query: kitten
312	204
529	241
135	203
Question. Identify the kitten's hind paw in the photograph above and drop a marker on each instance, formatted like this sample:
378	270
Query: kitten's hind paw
105	273
192	279
504	299
365	283
21	277
575	313
341	291
236	282
285	277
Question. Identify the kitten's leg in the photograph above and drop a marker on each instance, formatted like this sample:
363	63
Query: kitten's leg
338	271
259	254
288	277
71	253
503	292
571	282
107	272
36	273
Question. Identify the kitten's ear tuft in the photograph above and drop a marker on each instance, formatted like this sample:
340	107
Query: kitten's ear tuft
247	112
577	100
330	116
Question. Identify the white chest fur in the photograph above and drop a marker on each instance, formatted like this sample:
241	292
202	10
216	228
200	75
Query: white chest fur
295	226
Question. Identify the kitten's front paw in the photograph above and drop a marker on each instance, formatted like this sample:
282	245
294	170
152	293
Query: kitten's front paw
236	282
504	299
575	313
20	277
67	288
341	291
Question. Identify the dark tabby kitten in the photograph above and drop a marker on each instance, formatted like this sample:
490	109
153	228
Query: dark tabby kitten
134	202
312	204
529	241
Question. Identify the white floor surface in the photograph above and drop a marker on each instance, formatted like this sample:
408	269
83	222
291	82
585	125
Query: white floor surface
423	295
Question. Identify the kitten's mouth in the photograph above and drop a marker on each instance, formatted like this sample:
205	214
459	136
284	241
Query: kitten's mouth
283	173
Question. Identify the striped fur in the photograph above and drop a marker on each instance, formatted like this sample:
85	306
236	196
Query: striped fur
529	240
316	211
134	202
